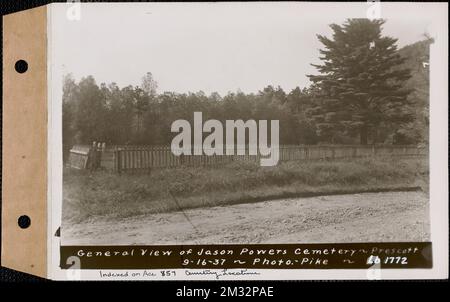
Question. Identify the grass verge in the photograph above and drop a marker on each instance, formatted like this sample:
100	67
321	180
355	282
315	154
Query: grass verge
91	195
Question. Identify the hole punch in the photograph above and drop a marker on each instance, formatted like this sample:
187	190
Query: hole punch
24	221
21	66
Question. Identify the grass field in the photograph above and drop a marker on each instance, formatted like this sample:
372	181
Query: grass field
88	195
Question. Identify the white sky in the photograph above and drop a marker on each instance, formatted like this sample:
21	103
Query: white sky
211	46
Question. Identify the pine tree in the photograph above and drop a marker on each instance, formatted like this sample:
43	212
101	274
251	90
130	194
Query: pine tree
360	85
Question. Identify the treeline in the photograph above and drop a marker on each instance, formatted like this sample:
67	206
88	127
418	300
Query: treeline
388	104
132	115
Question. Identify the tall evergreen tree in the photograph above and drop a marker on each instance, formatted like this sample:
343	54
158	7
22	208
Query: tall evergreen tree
360	83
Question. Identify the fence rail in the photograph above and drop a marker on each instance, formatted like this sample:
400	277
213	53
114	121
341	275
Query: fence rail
141	158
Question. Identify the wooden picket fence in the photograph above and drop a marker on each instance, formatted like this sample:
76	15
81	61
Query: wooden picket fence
143	158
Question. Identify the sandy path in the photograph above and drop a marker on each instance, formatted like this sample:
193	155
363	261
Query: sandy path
393	216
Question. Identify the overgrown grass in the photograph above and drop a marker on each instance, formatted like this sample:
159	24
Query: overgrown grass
89	195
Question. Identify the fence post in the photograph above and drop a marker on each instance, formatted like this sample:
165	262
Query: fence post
119	160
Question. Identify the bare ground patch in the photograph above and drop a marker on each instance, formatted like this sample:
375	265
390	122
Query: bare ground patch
370	217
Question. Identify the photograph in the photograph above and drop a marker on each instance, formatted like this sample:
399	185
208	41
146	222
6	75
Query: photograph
247	123
247	143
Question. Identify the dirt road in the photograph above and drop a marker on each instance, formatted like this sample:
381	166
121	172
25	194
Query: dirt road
369	217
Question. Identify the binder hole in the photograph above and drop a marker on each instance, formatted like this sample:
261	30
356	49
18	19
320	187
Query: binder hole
21	66
24	221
